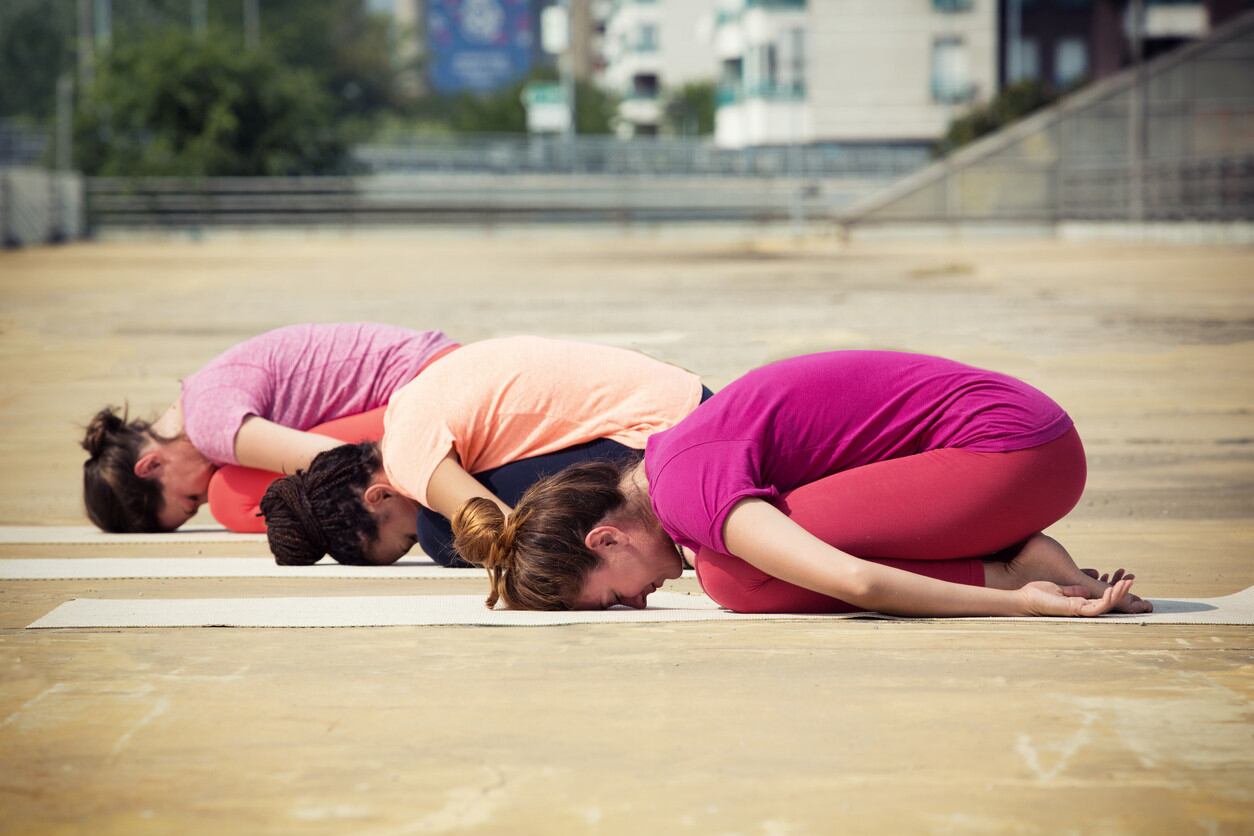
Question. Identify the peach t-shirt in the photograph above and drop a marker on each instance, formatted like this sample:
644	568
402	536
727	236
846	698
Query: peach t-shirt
499	401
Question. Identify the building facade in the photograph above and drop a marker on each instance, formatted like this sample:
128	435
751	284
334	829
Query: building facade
1061	43
649	47
862	72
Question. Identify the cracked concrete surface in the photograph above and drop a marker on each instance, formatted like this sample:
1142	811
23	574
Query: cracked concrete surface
762	728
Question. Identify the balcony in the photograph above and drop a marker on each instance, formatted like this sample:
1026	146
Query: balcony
729	94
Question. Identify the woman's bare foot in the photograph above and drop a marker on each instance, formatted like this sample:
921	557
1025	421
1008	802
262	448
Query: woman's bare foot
1043	558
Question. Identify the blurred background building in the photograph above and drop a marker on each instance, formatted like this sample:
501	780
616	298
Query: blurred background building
649	47
201	112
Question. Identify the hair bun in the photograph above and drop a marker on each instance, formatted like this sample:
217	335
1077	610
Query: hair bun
477	529
101	431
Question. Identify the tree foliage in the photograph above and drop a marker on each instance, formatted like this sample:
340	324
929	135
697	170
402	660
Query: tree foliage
504	112
1014	102
173	104
34	51
689	109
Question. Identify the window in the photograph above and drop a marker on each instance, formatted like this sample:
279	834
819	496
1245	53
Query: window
646	38
1071	61
795	76
951	71
644	86
1025	63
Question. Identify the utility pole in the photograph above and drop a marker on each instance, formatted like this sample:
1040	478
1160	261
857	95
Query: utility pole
252	24
86	46
200	18
65	122
1014	34
566	65
1136	117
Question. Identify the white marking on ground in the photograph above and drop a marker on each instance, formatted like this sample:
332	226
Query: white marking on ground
1065	750
161	706
32	702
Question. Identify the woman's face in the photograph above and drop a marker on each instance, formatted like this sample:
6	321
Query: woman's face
635	565
184	477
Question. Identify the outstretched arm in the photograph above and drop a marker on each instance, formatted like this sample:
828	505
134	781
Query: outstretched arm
269	446
760	534
451	486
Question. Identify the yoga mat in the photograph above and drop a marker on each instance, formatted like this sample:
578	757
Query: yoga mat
359	611
412	610
86	534
68	568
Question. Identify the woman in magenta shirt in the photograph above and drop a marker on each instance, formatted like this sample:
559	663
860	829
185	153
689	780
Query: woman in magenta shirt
260	409
827	483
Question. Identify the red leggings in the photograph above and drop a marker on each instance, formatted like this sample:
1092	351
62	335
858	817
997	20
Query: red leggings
235	492
936	514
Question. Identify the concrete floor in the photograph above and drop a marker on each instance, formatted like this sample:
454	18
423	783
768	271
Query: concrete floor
757	728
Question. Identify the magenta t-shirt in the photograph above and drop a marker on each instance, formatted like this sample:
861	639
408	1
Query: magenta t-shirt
301	376
793	422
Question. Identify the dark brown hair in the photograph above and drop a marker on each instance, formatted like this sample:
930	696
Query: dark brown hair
321	510
537	560
116	499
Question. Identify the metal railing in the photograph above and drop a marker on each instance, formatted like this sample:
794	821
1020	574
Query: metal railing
660	157
468	198
20	146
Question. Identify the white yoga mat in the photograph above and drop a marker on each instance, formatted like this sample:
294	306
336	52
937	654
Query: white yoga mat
412	610
71	568
65	568
86	534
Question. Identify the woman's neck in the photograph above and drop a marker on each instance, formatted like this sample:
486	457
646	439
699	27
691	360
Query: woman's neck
170	425
635	487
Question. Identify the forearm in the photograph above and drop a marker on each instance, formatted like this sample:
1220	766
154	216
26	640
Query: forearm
896	592
268	446
451	487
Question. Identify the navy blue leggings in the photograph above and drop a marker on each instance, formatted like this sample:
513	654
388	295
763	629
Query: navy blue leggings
510	481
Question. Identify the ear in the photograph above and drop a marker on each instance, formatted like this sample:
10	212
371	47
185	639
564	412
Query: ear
376	494
603	538
148	466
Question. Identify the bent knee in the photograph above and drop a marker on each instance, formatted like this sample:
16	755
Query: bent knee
731	582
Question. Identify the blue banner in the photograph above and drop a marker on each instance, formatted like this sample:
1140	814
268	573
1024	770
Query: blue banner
479	45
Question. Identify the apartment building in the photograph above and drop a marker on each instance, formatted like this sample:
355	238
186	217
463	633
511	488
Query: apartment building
857	72
649	47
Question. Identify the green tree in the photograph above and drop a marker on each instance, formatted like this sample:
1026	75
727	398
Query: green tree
1011	104
35	49
504	111
689	110
349	48
594	109
173	104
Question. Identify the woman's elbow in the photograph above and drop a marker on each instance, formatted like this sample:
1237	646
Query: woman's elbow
859	585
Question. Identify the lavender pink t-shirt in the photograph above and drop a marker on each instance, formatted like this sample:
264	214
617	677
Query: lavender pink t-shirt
796	421
301	376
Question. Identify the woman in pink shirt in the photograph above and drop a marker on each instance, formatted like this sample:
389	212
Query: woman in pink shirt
851	480
265	407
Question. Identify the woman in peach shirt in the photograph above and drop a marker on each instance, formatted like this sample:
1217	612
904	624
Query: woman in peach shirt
486	420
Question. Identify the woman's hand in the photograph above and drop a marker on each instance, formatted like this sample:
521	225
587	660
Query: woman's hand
1045	598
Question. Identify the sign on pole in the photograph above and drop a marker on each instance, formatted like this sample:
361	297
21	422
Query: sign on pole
547	109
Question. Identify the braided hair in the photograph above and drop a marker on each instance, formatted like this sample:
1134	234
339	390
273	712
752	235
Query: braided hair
321	510
116	499
536	559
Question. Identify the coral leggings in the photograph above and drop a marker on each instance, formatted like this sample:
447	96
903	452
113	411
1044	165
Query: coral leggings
936	513
235	492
